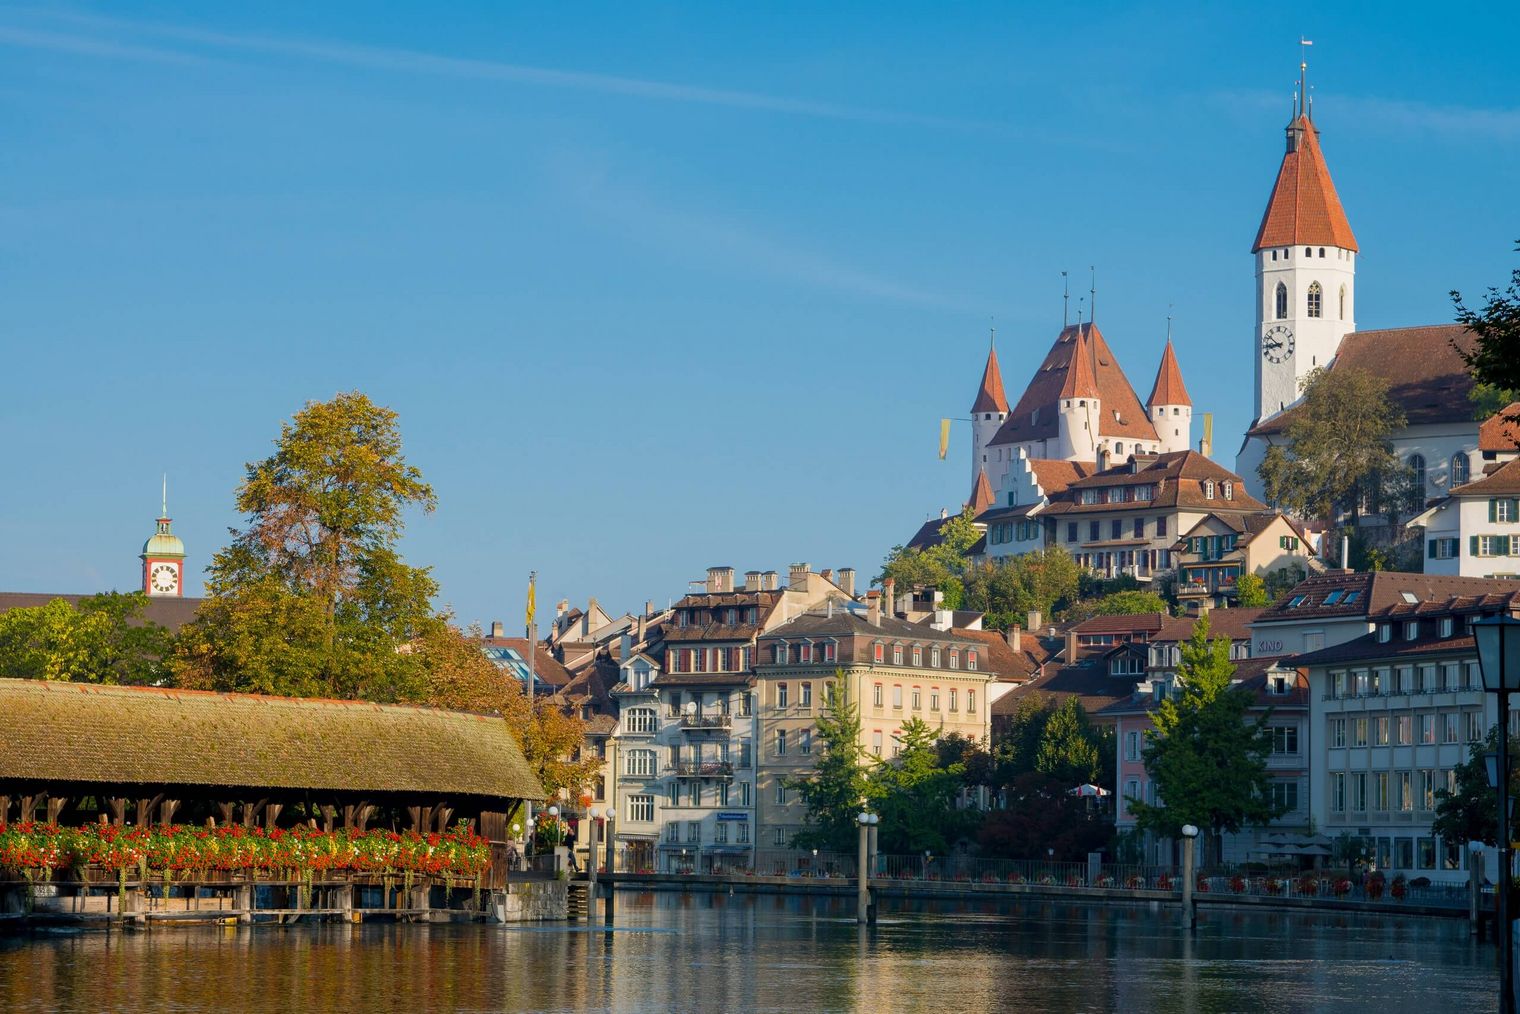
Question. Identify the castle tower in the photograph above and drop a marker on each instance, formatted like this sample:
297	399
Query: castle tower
1305	271
1079	407
988	412
1170	408
163	557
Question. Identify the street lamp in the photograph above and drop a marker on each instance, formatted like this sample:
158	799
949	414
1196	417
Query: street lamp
862	871
1498	639
1189	843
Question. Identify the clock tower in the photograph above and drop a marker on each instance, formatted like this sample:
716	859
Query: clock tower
163	558
1305	271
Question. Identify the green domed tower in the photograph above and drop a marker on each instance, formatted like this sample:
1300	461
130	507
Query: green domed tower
163	557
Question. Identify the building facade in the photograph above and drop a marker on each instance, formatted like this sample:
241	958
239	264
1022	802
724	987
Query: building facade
1475	532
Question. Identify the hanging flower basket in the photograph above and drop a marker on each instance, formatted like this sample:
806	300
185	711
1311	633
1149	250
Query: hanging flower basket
1238	884
1164	882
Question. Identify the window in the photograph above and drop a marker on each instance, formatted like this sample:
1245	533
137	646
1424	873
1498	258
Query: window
970	702
970	661
1504	509
1284	739
1343	303
1359	732
781	695
934	700
1445	625
1451	730
1285	796
1380	730
743	832
877	652
1381	796
782	654
1071	531
673	830
876	694
1315	299
876	742
1282	301
1411	629
955	658
805	742
830	652
744	796
1403	727
1459	469
1427	728
897	654
1208	489
694	830
804	653
1474	726
1442	549
1359	791
639	720
1338	791
807	695
954	704
917	700
1416	463
1131	746
1161	526
720	833
675	794
747	704
1406	791
639	763
780	742
780	792
1229	491
934	656
1337	728
918	654
897	696
641	809
1385	632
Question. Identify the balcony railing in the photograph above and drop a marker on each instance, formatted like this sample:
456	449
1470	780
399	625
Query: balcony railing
711	723
704	769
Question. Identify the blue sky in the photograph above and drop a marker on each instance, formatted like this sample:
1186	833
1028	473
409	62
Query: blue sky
658	287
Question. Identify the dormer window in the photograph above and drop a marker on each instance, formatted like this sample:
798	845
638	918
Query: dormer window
1208	489
1411	629
1385	632
1446	626
1229	491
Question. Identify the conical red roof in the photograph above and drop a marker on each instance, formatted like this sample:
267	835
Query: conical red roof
1304	209
1168	389
1081	381
981	494
989	397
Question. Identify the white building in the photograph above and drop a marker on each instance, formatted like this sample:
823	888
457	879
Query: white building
1475	532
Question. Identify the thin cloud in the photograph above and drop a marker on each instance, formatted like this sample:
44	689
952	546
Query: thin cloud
406	61
55	42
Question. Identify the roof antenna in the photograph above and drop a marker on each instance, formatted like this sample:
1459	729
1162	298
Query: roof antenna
1065	301
1169	322
1092	309
1303	74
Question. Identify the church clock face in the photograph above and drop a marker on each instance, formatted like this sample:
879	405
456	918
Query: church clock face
164	577
1277	343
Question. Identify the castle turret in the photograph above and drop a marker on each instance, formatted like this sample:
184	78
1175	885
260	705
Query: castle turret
1079	407
988	413
1170	408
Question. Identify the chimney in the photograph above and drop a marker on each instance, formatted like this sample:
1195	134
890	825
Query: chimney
846	581
649	607
561	608
753	581
944	619
797	579
625	647
1071	646
1014	638
1032	621
826	574
586	620
497	630
643	628
889	595
1346	553
772	580
873	609
720	579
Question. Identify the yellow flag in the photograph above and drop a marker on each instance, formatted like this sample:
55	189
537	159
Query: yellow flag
944	438
531	601
1208	432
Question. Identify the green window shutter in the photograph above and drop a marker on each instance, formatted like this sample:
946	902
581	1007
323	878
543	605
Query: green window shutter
1514	509
1493	510
1472	550
1501	548
1430	551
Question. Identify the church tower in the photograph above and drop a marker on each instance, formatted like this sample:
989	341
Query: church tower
1170	408
988	412
1079	409
1305	270
163	557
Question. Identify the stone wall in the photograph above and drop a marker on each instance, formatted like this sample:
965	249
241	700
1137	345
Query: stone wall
532	901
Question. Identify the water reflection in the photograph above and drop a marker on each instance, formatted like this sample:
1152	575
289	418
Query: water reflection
748	952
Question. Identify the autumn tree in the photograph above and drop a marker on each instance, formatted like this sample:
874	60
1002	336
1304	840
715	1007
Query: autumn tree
103	639
1206	755
1339	451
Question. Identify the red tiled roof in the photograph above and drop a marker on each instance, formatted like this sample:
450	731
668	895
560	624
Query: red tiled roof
1055	475
1304	208
1036	414
1125	623
1081	380
1179	478
1424	371
1232	623
1500	431
1503	480
990	397
1002	661
981	494
1377	592
1089	682
1168	388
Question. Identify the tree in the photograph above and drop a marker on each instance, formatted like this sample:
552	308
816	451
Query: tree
1206	757
915	795
1071	749
104	639
1251	592
1018	747
1279	582
1007	590
1122	603
1494	359
1339	450
311	596
839	784
1470	813
1041	816
938	566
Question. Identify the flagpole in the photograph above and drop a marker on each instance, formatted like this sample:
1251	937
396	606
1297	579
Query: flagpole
532	683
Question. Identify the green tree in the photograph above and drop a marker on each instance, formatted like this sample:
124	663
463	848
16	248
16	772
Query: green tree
1470	813
1251	592
1007	590
311	596
1339	451
1122	603
1206	755
1279	582
939	566
1072	750
1016	750
839	783
104	639
1494	359
915	795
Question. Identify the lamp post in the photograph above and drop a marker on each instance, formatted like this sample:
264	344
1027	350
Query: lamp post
1498	639
591	851
863	873
554	820
607	908
1189	841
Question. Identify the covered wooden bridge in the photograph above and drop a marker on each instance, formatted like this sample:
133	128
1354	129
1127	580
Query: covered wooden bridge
343	777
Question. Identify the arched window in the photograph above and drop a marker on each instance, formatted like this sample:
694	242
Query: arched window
1343	303
1119	447
1459	469
1314	299
1282	301
1417	466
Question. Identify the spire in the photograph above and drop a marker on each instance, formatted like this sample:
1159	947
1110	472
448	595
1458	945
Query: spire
165	512
990	397
981	494
1168	389
1081	381
1304	209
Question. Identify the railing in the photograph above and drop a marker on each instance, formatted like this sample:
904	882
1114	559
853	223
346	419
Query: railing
704	769
706	722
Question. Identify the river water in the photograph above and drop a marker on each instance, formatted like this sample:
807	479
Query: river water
706	952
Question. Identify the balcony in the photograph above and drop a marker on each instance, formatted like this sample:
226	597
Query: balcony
706	723
704	769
